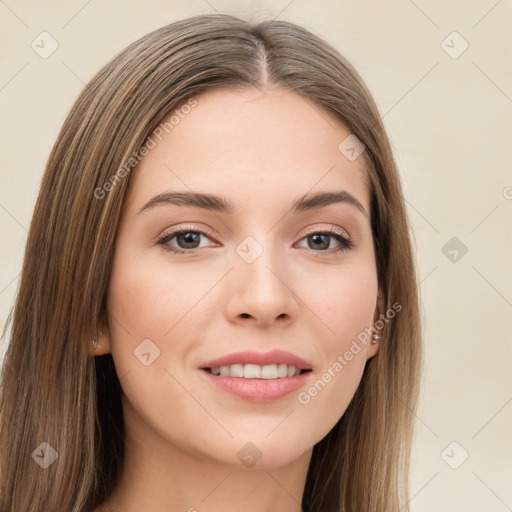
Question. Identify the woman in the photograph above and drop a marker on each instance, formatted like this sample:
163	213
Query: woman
218	306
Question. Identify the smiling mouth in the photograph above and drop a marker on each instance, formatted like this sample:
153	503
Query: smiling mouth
256	371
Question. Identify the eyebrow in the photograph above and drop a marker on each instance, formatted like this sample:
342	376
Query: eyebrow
221	205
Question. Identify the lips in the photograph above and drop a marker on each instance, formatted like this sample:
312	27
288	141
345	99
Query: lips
261	359
258	377
258	390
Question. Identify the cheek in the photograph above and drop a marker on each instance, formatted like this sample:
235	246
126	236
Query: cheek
325	399
344	303
153	322
157	309
346	307
148	301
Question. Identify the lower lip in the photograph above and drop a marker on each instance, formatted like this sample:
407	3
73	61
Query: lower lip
258	390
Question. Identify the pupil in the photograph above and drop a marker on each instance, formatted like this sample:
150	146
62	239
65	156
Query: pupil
189	238
323	245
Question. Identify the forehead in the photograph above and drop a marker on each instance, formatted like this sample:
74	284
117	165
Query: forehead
250	146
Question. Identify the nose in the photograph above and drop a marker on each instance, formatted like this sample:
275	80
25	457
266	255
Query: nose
262	291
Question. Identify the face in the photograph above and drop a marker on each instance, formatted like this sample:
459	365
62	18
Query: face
259	282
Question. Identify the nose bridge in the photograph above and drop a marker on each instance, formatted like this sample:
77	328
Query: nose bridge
262	280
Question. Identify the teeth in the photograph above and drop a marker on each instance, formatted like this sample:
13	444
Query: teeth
282	371
251	371
235	370
255	371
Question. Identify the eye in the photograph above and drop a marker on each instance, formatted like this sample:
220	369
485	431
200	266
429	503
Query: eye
188	237
320	240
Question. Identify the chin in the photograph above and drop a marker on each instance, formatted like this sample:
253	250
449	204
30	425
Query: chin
256	451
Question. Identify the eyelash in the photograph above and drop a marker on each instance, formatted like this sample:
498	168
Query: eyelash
345	243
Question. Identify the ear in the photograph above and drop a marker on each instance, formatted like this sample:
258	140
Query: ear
379	309
103	336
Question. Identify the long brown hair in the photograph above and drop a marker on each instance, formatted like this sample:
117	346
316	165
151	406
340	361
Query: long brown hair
53	391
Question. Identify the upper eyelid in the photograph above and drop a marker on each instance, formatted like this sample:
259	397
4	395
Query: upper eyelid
331	229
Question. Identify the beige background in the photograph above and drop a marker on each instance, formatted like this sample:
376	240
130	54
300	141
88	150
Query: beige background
450	123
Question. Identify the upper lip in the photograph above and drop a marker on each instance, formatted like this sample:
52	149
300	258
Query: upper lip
259	358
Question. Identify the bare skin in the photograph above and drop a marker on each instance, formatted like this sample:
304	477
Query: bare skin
261	151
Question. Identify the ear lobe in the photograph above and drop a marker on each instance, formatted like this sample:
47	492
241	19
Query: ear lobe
373	348
103	336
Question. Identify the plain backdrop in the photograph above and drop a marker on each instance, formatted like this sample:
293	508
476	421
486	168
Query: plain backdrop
441	74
